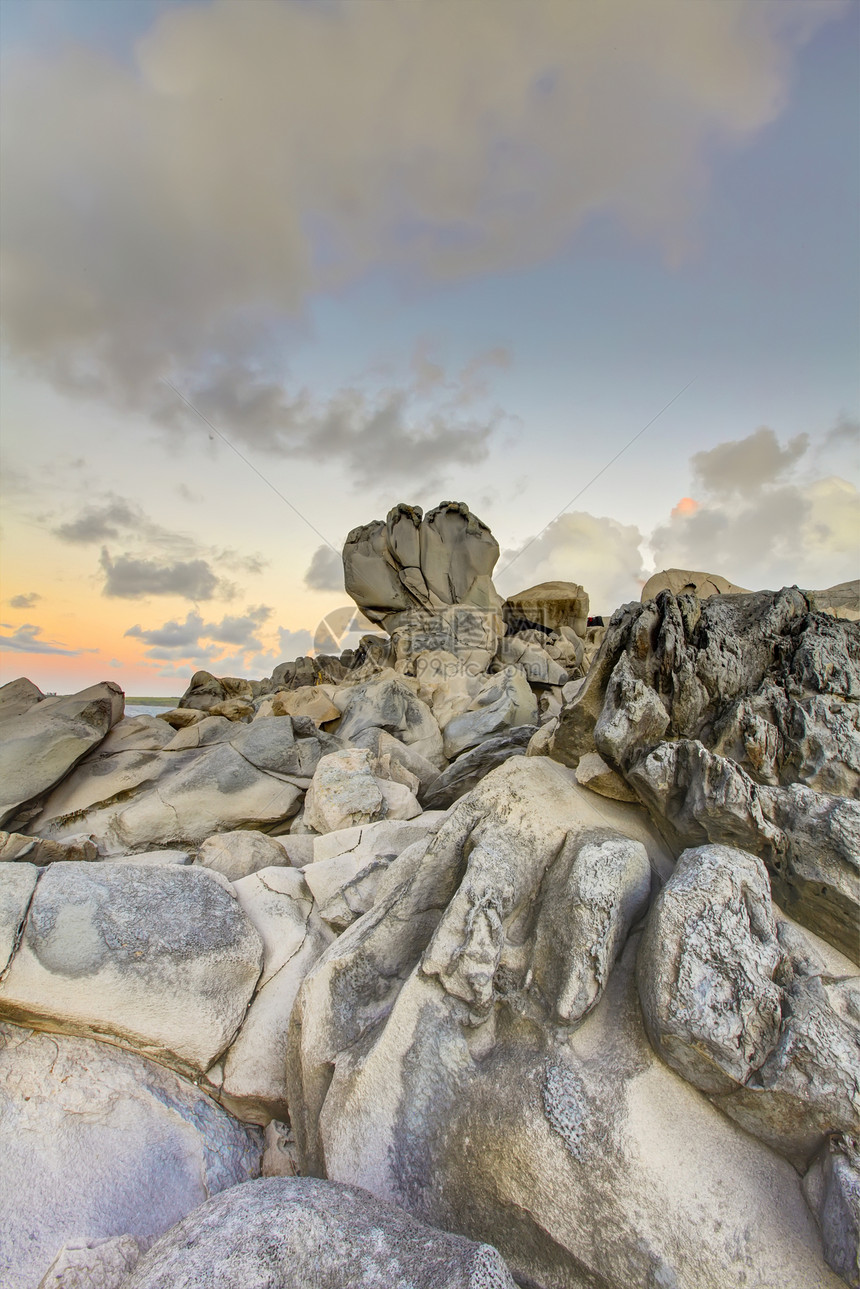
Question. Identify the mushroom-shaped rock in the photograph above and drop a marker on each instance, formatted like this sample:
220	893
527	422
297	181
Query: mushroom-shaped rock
412	560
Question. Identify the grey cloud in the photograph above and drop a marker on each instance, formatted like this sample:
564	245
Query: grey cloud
25	601
172	635
325	571
98	523
251	184
24	641
802	531
746	465
239	630
387	435
132	579
294	644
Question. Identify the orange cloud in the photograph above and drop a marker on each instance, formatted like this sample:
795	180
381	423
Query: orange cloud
686	506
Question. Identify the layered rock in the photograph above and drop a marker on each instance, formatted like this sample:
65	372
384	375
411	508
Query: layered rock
43	739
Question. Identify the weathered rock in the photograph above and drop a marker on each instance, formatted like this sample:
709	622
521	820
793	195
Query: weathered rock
470	767
17	884
95	1142
416	561
735	719
238	854
348	865
138	734
389	704
271	745
551	605
41	851
92	1264
577	1153
780	1053
832	1189
179	718
344	792
388	750
681	581
234	709
534	661
506	700
17	697
464	632
251	1078
202	733
40	745
139	800
161	959
706	969
511	827
807	1088
810	842
207	691
593	772
841	601
292	1232
308	701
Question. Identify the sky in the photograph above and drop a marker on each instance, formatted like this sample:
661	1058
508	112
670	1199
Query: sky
271	266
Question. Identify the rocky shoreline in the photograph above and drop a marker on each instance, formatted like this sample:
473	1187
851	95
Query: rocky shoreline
510	948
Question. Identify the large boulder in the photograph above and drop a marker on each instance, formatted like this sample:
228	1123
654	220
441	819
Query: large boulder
45	740
415	561
468	1049
683	581
238	854
293	1232
467	771
776	1044
99	1143
551	606
161	959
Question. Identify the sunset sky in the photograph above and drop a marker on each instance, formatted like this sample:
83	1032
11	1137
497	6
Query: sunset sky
414	250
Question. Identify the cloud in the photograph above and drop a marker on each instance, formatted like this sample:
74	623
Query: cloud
25	601
765	517
599	553
118	517
255	153
325	571
391	432
202	643
24	641
129	578
172	635
746	465
98	523
293	644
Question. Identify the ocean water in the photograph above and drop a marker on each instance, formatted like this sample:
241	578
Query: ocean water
144	709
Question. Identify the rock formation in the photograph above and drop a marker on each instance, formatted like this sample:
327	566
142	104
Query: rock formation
529	942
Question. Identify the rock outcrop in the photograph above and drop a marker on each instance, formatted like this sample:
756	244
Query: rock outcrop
736	721
538	928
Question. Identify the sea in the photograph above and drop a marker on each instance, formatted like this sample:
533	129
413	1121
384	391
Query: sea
149	709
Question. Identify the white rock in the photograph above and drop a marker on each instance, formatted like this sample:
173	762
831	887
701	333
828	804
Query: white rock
161	959
96	1141
344	792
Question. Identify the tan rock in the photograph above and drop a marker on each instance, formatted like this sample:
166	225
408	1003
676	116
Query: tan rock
307	701
682	581
552	605
593	772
